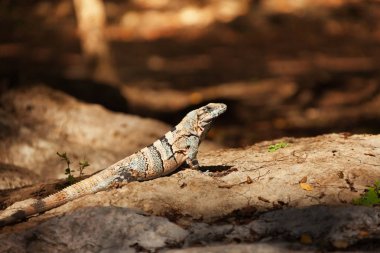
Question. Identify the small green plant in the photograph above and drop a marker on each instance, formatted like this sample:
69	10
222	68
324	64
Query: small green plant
370	197
82	165
68	171
277	146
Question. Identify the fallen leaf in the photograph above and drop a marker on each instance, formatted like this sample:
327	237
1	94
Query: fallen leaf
303	180
306	186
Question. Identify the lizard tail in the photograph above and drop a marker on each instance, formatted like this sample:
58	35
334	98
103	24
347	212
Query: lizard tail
92	184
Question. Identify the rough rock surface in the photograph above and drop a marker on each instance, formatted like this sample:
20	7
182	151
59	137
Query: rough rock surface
13	176
245	248
36	122
96	229
337	167
324	226
261	247
251	195
113	229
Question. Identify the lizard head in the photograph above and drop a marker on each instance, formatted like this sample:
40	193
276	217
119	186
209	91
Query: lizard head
206	114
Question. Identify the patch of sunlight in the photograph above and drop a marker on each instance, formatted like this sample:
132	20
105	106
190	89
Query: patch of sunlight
227	10
153	23
191	16
288	6
151	3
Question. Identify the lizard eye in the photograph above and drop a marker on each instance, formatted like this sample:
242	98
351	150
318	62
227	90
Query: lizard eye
208	109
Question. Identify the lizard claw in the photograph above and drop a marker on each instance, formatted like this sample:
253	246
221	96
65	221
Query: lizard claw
194	165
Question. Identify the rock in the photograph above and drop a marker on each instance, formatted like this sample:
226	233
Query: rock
247	248
242	182
301	192
14	177
324	226
106	229
121	229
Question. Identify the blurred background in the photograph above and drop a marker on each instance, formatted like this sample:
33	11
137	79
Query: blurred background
284	67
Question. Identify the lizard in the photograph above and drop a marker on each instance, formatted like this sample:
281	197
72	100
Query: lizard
161	158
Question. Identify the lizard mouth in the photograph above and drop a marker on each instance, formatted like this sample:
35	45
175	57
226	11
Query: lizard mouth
208	120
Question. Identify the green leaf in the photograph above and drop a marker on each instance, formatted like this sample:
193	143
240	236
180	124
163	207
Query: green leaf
64	157
370	197
277	146
84	164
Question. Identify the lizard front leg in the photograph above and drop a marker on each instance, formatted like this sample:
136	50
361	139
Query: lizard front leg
193	145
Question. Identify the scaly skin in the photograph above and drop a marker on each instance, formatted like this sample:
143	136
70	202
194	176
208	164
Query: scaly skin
161	158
